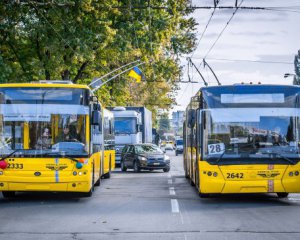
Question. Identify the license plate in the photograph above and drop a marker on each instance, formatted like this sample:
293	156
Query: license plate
156	163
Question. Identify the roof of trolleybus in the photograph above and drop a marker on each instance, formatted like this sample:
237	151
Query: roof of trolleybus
44	85
235	96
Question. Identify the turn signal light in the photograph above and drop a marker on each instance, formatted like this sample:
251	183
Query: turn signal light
81	160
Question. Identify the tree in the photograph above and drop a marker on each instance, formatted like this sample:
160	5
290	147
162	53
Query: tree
79	40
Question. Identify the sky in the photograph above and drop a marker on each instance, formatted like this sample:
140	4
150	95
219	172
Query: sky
251	35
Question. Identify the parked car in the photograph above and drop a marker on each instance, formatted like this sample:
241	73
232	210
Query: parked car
144	156
178	146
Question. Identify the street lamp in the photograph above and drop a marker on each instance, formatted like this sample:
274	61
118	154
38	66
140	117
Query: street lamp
289	75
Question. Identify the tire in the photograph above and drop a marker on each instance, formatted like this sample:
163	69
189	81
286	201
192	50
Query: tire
107	175
98	183
123	167
282	194
176	153
136	167
203	195
9	194
167	169
88	194
191	182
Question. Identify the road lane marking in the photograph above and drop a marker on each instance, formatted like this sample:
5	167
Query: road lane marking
175	206
172	191
169	175
170	181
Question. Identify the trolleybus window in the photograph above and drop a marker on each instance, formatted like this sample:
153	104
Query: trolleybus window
244	134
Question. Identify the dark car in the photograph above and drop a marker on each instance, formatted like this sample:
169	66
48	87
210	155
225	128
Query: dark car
144	156
178	146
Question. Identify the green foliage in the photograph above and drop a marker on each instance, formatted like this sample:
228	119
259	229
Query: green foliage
80	40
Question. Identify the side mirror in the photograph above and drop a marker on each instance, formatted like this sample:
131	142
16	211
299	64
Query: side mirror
96	118
138	128
191	118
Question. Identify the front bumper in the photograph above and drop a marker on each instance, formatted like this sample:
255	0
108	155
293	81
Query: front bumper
154	165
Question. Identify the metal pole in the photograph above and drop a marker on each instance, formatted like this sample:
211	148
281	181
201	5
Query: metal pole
205	63
205	83
113	72
112	78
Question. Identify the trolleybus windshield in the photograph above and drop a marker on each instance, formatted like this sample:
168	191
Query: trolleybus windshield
250	135
43	121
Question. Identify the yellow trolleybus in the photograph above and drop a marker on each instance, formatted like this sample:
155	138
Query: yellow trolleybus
243	139
54	136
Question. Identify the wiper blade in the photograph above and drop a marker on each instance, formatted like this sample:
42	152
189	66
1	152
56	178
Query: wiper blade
278	155
12	153
221	156
285	158
62	156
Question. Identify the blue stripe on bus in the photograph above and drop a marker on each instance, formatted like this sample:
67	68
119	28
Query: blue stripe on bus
56	171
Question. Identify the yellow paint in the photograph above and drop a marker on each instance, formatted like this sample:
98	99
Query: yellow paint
26	138
256	178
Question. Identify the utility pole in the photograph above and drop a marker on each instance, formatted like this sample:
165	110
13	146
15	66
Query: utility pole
297	69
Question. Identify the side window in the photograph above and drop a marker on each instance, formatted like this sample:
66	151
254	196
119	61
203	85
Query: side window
124	150
130	149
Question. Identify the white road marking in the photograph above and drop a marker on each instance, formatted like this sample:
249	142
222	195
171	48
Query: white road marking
169	175
170	181
172	191
175	206
294	199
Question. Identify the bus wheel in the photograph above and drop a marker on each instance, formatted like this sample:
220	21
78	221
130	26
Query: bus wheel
203	195
282	194
88	194
98	182
107	175
8	194
191	182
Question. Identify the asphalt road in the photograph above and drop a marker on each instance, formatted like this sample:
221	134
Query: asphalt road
149	205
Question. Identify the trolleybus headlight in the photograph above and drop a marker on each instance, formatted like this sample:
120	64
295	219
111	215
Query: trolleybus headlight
79	173
215	174
209	173
79	165
3	164
296	173
74	173
290	174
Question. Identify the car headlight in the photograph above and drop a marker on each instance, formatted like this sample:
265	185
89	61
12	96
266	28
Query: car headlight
143	159
166	158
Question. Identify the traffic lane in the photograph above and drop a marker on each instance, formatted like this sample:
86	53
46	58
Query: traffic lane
128	202
253	213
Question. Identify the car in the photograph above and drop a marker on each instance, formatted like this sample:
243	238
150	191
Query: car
169	146
178	146
144	157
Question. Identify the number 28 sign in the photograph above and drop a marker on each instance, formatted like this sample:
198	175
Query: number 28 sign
217	148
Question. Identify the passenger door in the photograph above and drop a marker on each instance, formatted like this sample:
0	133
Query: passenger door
129	156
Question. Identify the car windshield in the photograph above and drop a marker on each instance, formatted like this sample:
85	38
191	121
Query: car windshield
125	125
147	149
251	135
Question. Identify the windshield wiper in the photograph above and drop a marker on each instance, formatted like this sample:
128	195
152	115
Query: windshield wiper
10	154
61	155
221	156
284	157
